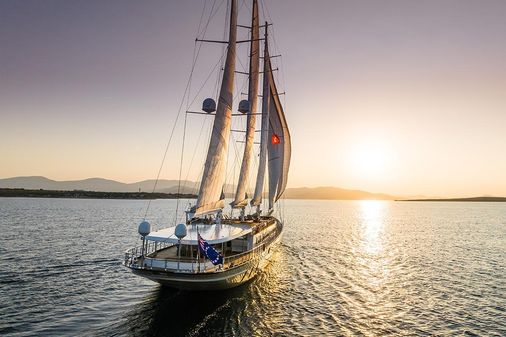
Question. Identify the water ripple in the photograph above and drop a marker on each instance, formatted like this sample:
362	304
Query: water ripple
343	268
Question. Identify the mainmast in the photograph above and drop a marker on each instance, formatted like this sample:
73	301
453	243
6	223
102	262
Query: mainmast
210	193
240	195
257	198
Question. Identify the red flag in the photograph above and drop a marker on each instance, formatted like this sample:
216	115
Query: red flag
275	139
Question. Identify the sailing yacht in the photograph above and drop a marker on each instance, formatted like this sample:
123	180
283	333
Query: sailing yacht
211	249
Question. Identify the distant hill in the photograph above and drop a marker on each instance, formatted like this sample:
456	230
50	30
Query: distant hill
171	186
475	199
80	194
333	193
95	184
191	187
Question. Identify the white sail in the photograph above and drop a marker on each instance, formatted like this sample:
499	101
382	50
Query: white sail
257	197
279	145
240	195
209	198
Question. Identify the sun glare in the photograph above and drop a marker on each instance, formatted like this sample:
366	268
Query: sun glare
370	159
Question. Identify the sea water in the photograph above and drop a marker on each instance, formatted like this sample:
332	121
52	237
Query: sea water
351	268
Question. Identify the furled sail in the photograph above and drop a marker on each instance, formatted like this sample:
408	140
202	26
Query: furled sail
264	139
279	144
209	198
240	195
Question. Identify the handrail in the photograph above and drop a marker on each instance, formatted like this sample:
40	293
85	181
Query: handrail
133	255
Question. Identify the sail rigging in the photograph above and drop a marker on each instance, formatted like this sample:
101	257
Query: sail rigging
279	145
217	251
275	143
262	165
240	195
210	196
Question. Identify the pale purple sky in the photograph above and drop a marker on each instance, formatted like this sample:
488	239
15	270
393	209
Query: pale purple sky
402	97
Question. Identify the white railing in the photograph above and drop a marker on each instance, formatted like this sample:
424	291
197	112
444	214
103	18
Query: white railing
132	255
135	260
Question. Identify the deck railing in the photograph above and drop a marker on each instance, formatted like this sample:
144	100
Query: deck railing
135	259
132	255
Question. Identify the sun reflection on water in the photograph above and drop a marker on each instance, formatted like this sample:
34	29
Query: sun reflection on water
372	215
370	253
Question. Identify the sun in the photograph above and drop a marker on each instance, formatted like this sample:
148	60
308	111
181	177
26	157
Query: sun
371	158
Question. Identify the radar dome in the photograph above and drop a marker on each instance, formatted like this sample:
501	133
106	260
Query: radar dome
144	228
209	105
244	106
180	231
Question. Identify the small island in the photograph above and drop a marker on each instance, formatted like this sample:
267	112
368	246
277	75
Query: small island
475	199
80	194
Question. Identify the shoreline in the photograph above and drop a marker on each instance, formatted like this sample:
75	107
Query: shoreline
80	194
474	199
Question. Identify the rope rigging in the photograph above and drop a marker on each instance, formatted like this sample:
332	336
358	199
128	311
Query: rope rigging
189	98
196	53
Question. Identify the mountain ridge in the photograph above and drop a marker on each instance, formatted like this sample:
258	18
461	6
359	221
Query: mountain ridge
97	184
333	193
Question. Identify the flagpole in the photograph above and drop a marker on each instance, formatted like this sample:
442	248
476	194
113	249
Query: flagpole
178	253
223	250
198	248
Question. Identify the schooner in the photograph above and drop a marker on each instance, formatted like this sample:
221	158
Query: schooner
212	250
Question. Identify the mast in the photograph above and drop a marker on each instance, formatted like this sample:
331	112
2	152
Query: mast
210	193
240	195
257	198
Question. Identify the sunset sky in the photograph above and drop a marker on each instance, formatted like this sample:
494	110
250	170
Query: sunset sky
404	97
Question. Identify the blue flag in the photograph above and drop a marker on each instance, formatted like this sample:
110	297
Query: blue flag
208	251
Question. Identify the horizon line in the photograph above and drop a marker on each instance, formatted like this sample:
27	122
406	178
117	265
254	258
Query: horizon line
393	196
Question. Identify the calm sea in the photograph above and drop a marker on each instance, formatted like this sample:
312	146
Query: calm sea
364	268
